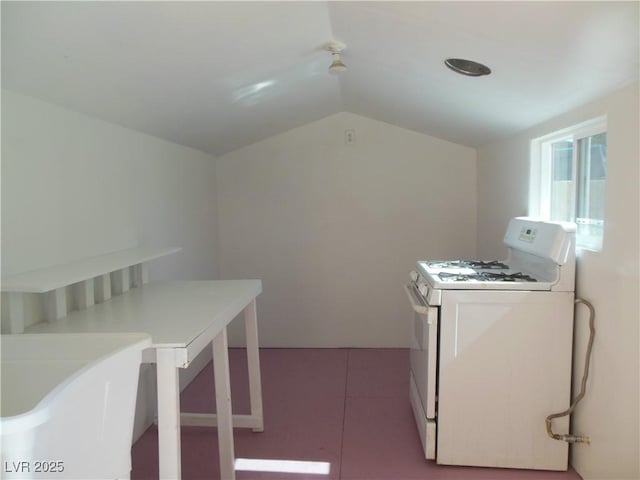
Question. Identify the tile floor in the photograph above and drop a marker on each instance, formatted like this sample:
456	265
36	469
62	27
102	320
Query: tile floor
347	408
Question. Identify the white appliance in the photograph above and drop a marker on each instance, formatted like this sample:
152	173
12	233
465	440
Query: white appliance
492	348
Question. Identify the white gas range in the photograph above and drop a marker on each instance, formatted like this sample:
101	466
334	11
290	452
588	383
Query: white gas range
492	349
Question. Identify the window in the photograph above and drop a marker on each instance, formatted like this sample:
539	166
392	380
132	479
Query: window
568	174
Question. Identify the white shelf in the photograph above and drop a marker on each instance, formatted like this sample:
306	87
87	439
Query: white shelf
53	278
93	280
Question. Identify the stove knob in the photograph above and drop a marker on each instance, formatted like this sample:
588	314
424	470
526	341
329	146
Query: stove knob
413	275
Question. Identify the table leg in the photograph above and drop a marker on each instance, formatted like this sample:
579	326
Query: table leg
223	405
168	414
253	362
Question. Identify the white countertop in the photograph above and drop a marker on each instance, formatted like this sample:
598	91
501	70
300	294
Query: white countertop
174	314
33	366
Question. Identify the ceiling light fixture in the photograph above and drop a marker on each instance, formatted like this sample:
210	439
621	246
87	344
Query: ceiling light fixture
335	48
467	67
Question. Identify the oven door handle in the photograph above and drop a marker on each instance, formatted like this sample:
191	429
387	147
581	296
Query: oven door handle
415	301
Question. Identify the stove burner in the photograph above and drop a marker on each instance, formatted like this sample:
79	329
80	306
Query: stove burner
475	264
486	277
511	277
461	277
494	264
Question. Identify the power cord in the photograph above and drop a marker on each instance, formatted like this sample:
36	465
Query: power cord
569	437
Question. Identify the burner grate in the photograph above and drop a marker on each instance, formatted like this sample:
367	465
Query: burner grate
510	277
475	264
492	265
487	277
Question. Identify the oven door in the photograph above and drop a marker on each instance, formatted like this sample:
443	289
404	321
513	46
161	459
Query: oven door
423	361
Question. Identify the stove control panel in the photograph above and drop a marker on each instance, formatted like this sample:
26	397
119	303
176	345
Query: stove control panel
528	234
545	239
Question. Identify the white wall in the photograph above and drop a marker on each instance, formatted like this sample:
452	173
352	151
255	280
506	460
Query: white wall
74	186
333	229
609	413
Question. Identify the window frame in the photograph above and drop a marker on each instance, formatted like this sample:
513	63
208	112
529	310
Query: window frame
540	174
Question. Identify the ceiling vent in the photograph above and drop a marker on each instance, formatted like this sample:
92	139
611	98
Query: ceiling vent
467	67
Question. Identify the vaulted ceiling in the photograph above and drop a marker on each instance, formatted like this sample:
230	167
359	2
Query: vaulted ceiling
219	75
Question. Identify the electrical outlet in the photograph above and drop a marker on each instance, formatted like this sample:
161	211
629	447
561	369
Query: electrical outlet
349	137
